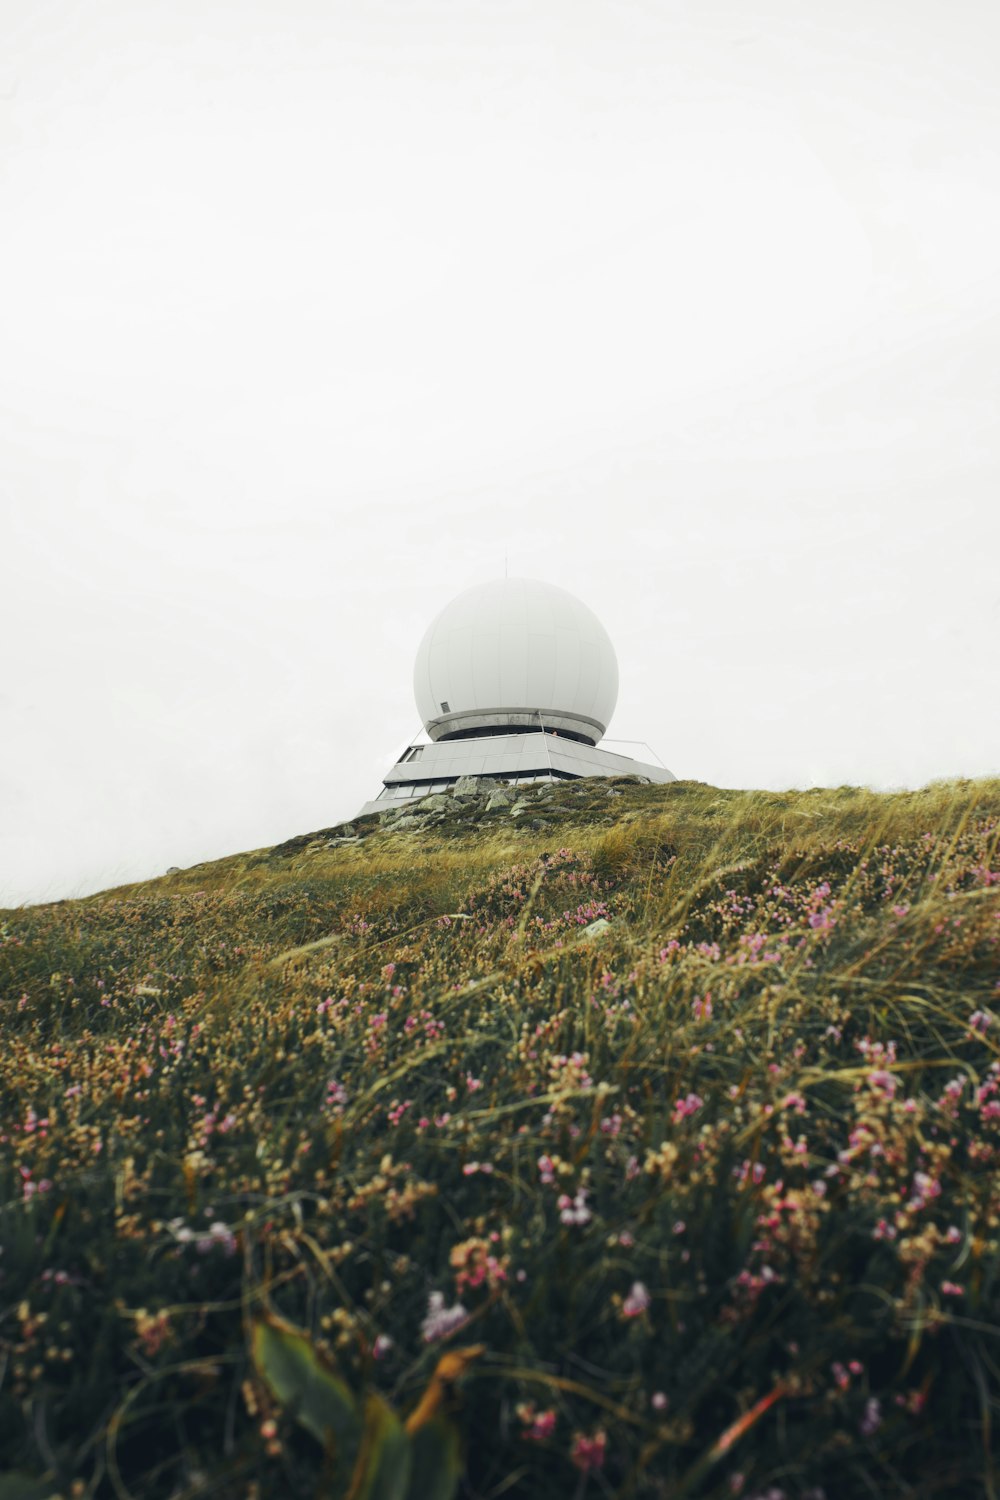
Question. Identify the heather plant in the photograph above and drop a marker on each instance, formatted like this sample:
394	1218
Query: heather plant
652	1151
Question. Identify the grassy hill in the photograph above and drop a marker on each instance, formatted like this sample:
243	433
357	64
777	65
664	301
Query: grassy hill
640	1142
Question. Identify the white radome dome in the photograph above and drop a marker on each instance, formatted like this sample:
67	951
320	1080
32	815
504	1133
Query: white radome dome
516	653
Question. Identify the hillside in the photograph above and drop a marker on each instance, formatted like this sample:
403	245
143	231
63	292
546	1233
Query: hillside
676	1109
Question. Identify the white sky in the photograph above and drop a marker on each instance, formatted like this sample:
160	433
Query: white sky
309	312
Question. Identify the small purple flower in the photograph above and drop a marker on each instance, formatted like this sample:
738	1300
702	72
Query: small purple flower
441	1320
871	1421
218	1234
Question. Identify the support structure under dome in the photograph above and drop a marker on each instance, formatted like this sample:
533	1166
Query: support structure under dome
517	759
516	681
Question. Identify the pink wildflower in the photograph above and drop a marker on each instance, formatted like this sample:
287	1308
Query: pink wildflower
689	1105
574	1210
543	1426
637	1301
587	1453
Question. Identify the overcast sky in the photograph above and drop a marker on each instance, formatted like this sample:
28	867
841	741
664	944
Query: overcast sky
311	312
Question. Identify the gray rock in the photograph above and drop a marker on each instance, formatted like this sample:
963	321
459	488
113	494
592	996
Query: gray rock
335	843
174	870
498	799
519	808
595	929
475	784
436	802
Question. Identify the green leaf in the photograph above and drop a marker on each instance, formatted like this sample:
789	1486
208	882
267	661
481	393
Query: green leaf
383	1470
300	1379
437	1460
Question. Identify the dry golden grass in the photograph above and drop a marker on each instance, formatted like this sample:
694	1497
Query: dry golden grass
690	1098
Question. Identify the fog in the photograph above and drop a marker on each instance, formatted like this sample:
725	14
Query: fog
312	315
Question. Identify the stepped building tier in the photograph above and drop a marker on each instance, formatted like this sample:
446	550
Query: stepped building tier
515	681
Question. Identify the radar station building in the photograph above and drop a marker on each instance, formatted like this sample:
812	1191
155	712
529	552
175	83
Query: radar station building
515	681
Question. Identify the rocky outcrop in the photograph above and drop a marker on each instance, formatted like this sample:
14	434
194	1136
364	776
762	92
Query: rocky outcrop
474	802
475	785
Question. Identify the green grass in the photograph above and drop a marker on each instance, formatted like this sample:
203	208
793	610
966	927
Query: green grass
716	1185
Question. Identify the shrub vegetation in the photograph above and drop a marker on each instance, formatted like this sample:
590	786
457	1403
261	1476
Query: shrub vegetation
649	1149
